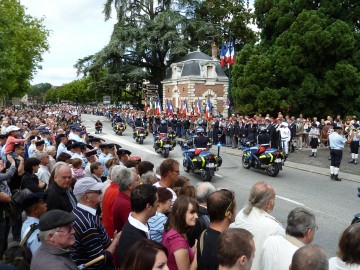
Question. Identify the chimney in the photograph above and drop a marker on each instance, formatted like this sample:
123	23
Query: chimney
214	51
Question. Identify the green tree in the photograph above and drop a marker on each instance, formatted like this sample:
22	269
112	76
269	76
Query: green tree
23	40
38	91
307	61
151	35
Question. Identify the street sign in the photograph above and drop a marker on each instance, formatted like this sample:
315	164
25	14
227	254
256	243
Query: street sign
106	100
151	90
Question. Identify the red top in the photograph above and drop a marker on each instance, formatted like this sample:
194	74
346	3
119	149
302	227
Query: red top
107	206
121	210
10	144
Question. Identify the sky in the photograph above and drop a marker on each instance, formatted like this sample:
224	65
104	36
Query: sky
78	29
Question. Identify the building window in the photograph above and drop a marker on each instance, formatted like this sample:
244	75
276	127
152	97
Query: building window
210	72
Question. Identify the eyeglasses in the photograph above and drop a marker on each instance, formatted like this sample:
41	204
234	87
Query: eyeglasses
94	191
67	230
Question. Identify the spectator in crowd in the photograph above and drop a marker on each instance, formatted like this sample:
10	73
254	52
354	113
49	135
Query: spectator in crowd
123	155
96	170
309	257
91	157
91	238
203	190
149	178
181	182
181	220
30	179
127	180
56	236
144	167
144	203
255	217
157	222
77	171
43	172
145	254
278	251
221	207
34	206
108	201
59	194
235	249
348	256
188	191
17	256
169	172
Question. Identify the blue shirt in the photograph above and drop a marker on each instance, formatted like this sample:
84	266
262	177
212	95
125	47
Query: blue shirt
33	243
336	141
156	224
102	159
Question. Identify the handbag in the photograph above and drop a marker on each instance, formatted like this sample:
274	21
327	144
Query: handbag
20	194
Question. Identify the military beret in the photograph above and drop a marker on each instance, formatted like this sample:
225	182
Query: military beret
122	151
31	199
39	143
90	153
55	219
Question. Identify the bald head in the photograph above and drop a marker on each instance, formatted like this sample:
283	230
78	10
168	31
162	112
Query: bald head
203	190
309	257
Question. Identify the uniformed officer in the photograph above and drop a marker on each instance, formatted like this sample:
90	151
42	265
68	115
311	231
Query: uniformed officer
62	148
354	145
200	141
337	142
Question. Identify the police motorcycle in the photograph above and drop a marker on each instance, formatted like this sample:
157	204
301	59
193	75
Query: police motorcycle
119	128
356	218
200	160
139	132
164	139
263	157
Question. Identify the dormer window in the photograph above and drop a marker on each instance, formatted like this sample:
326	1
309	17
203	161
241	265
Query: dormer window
210	71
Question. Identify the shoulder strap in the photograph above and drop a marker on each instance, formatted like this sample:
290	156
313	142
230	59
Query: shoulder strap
202	242
33	227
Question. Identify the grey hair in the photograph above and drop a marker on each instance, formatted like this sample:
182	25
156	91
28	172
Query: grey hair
260	194
124	178
79	196
44	235
299	221
203	190
59	165
148	177
39	154
114	170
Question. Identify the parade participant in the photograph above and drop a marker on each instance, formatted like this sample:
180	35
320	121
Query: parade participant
163	128
91	239
285	136
91	157
34	206
144	202
256	218
57	236
59	194
314	135
103	157
75	134
75	150
263	137
277	251
138	122
63	139
98	126
46	136
235	250
123	155
221	207
200	141
354	145
39	146
337	143
96	142
309	257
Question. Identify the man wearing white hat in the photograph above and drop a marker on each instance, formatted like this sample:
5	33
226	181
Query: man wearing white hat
285	135
91	238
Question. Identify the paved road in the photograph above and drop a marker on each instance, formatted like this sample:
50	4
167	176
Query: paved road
298	184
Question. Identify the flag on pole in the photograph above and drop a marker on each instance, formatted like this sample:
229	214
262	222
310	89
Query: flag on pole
227	53
152	109
166	106
222	55
158	107
232	54
145	108
208	109
171	108
198	108
185	109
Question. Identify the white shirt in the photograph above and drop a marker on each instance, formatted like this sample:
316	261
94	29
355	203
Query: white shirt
261	225
277	252
43	174
336	263
87	208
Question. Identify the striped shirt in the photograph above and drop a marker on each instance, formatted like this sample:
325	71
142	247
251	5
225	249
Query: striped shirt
156	224
91	239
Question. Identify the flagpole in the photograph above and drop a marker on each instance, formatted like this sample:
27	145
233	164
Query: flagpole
229	83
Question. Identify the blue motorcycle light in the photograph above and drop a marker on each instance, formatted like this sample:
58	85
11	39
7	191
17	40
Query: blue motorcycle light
218	144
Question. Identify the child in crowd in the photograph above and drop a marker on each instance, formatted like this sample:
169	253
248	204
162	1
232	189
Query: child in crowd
12	139
77	171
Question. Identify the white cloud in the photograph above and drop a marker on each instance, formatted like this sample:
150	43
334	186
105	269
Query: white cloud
77	29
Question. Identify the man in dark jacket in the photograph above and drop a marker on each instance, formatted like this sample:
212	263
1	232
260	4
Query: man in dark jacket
59	195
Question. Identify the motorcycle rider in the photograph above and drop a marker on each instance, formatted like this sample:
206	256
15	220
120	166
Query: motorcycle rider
200	141
138	122
263	137
163	128
98	126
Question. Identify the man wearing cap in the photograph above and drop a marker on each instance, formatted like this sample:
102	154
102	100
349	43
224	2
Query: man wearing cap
39	145
103	156
285	136
337	143
91	237
57	236
59	195
46	136
123	155
354	145
75	134
91	157
62	142
75	150
34	206
13	133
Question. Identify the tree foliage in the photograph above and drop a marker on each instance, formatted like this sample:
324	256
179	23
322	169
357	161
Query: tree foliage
307	60
38	91
23	40
150	35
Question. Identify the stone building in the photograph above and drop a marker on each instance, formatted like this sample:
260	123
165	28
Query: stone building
197	75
